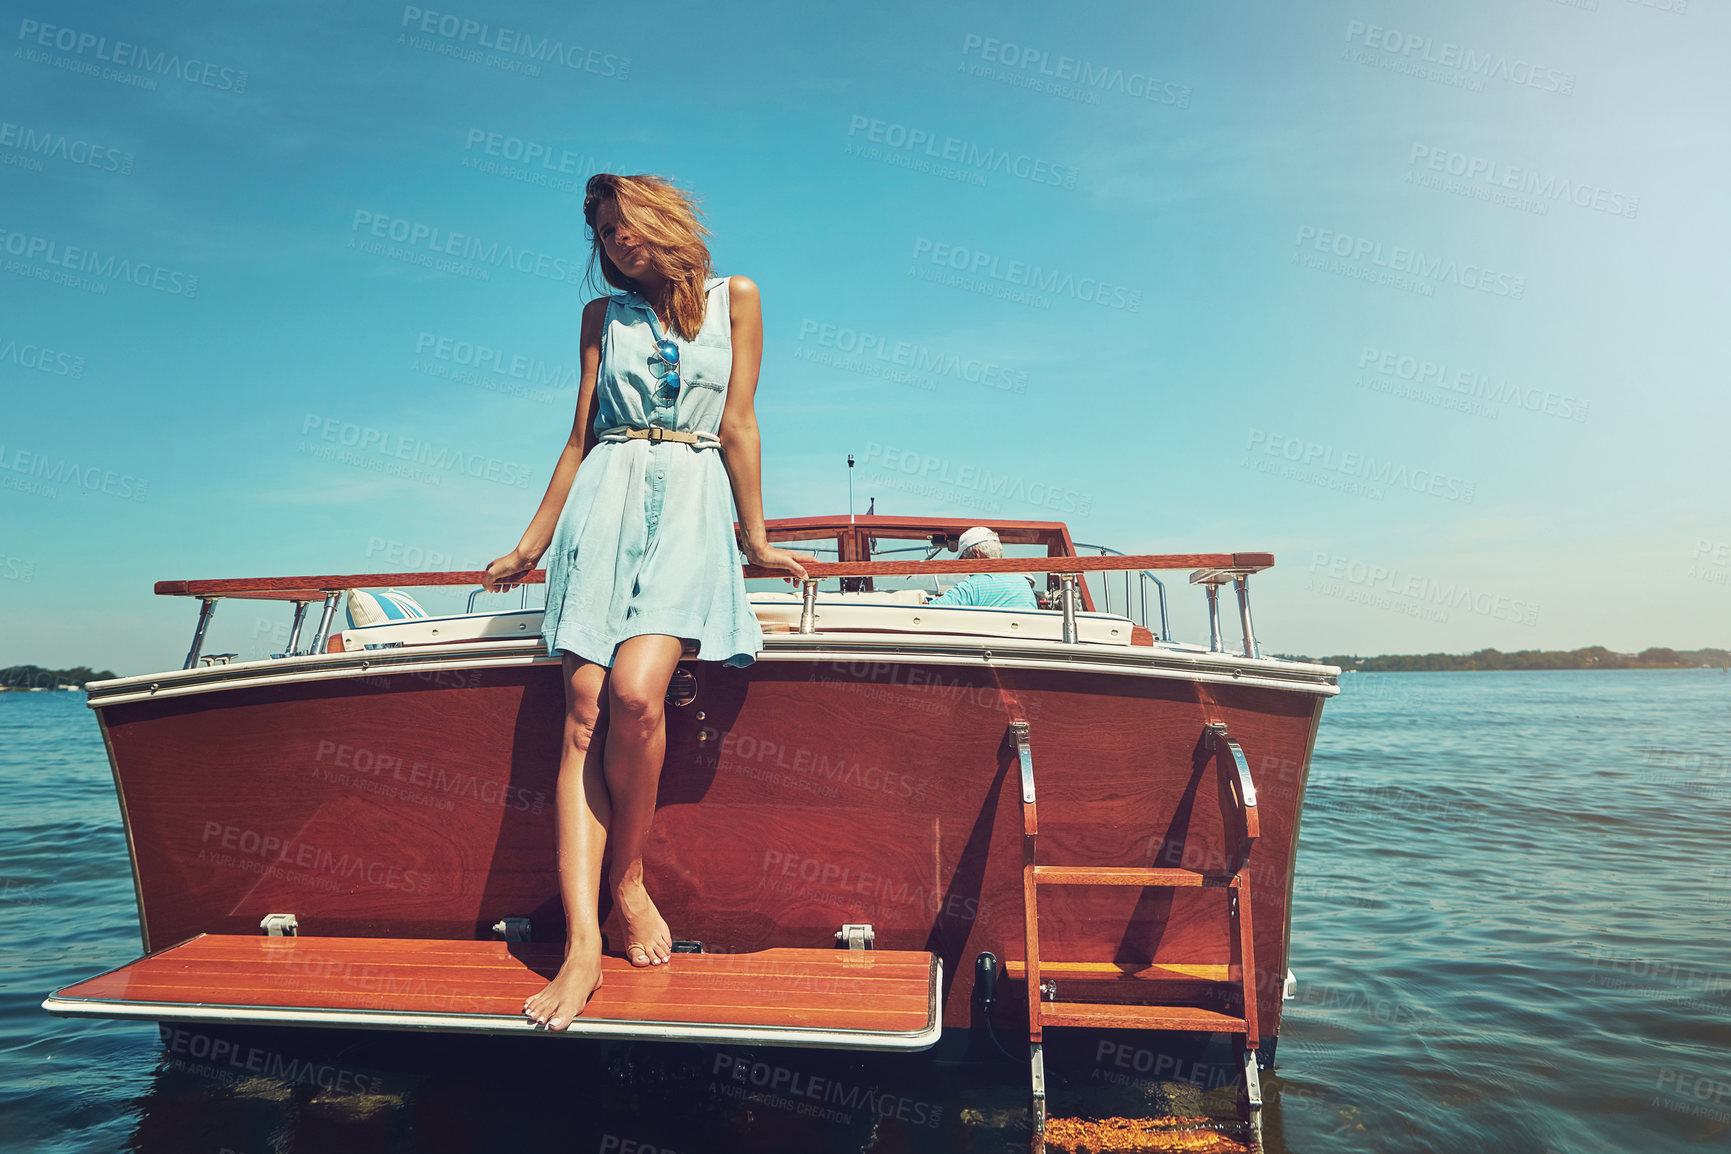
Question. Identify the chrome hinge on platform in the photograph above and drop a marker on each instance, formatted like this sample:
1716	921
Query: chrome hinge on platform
280	926
856	937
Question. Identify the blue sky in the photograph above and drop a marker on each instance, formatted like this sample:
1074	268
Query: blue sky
1426	299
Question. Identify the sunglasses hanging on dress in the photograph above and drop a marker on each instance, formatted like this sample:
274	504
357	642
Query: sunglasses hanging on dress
664	361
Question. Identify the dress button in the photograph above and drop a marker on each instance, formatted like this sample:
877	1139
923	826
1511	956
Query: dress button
661	476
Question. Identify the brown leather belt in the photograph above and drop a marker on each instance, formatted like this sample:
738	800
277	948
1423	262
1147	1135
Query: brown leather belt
655	435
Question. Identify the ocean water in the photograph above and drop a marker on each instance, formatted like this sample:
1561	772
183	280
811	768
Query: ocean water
1511	932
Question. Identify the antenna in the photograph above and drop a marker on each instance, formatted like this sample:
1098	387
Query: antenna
850	488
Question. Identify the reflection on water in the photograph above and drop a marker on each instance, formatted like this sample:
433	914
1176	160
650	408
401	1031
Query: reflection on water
1509	932
294	1089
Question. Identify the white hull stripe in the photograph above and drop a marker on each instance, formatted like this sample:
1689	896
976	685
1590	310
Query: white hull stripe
1123	661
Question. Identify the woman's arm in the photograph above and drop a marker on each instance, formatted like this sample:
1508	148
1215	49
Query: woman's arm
539	535
741	446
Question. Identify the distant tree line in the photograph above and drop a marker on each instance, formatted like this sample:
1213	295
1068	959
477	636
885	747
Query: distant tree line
1593	657
36	677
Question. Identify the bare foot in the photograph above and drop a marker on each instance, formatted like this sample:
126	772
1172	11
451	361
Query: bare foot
564	997
648	940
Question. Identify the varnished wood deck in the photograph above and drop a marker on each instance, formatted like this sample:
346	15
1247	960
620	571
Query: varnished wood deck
866	999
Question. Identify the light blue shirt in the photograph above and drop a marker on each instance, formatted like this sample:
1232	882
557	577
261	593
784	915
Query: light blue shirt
991	591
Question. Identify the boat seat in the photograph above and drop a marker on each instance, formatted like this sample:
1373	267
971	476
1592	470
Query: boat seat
506	625
779	612
842	999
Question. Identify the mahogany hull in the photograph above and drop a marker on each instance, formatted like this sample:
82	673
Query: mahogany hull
798	795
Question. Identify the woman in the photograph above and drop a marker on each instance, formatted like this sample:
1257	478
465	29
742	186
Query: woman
641	556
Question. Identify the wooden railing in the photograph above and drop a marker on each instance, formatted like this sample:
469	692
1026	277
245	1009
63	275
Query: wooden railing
315	588
1210	569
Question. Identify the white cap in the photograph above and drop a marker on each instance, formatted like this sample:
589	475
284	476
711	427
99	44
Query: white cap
978	535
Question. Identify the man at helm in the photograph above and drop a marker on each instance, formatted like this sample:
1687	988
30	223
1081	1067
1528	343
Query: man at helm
988	590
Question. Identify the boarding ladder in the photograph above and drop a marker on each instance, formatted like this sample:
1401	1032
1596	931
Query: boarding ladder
1154	1006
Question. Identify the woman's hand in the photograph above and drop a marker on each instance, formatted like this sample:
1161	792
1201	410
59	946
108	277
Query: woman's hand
769	557
507	572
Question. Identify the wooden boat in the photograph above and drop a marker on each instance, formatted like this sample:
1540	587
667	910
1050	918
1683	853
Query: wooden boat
903	825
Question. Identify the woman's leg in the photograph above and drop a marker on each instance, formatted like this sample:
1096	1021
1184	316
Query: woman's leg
582	813
636	743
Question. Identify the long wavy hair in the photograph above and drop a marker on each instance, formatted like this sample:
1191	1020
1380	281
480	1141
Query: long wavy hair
666	218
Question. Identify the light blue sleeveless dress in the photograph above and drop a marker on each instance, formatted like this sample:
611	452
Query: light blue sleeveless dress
645	541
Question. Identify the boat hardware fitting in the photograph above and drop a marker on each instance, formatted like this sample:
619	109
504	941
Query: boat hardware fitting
1211	580
1067	594
808	606
512	929
1215	645
682	687
1037	1070
1250	1097
1020	731
1215	734
1241	583
856	936
206	607
986	979
295	628
280	926
317	644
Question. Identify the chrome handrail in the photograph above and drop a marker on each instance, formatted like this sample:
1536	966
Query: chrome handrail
470	607
1142	587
